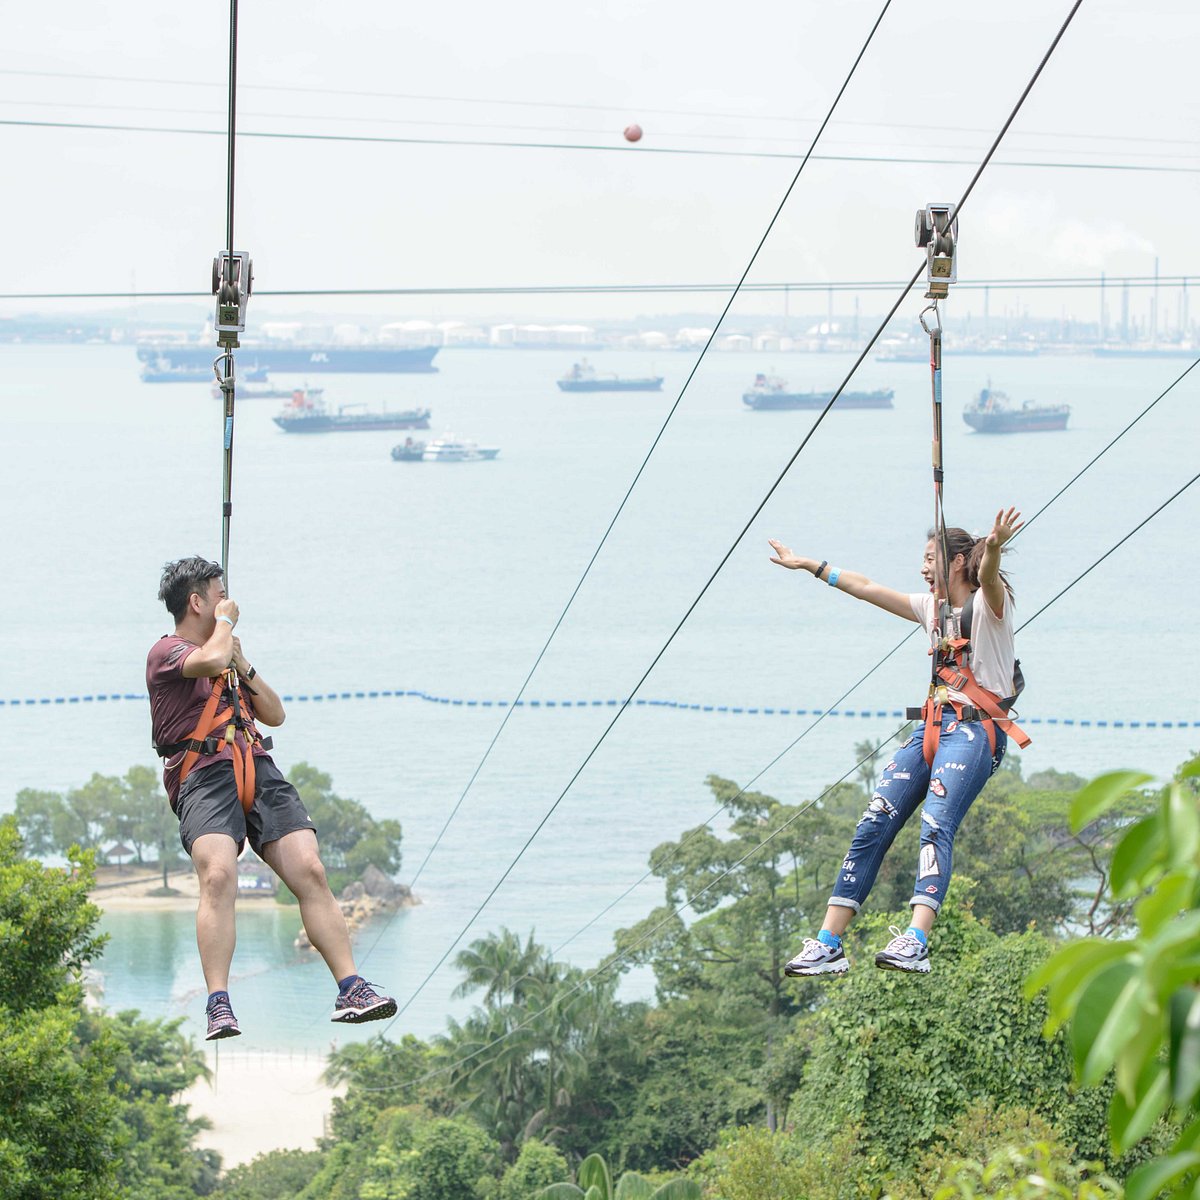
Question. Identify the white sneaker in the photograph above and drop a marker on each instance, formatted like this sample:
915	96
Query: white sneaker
818	959
904	953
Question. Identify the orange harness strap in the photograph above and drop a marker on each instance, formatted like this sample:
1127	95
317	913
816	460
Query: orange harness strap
210	722
963	680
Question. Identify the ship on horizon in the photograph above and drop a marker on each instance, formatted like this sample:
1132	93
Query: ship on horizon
309	414
770	394
174	360
992	412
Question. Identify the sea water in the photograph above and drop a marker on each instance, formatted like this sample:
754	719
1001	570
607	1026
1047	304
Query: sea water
357	573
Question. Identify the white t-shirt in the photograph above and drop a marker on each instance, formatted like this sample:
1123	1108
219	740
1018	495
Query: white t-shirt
993	649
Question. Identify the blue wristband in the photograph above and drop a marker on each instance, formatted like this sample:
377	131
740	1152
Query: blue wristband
834	574
226	620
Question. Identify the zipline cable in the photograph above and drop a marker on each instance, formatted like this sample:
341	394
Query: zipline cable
223	367
745	529
366	139
634	482
609	963
1040	283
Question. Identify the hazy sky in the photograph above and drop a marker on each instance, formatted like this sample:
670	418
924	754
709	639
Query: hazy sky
95	210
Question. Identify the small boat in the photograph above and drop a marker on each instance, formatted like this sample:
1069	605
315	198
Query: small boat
452	448
409	450
991	412
770	394
582	377
264	390
308	414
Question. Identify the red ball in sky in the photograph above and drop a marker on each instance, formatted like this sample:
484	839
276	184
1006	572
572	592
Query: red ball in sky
633	133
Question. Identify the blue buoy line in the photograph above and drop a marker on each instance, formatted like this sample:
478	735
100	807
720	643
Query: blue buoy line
749	710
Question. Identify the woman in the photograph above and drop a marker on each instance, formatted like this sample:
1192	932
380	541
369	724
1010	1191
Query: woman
964	755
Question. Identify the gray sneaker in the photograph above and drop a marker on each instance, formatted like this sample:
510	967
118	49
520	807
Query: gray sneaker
904	953
818	959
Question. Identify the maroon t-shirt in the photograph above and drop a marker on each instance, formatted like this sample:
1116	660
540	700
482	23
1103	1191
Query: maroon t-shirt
177	704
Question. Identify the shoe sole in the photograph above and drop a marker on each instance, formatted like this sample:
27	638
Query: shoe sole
838	968
227	1031
356	1016
918	968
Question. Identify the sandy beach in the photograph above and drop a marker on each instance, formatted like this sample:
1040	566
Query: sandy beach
261	1101
134	888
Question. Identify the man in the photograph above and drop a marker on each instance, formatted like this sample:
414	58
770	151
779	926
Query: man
225	789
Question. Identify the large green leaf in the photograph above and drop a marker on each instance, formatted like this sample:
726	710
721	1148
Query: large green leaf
560	1191
1129	1123
1068	972
1171	895
1137	853
1102	793
1183	825
1185	1046
1106	1017
679	1189
632	1186
593	1173
1149	1181
594	1193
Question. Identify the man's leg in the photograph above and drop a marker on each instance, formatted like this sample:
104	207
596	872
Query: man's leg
297	861
214	856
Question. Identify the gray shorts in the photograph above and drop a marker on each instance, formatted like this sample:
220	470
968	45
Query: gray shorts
208	803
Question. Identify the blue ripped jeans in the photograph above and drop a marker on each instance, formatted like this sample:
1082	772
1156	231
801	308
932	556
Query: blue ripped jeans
962	765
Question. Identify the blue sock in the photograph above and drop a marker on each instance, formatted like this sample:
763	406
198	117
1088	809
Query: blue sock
829	939
919	934
344	985
218	996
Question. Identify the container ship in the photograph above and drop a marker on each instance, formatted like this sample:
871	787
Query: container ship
770	394
178	361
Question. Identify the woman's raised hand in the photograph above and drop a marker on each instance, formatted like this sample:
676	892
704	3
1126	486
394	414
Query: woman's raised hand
1007	524
784	557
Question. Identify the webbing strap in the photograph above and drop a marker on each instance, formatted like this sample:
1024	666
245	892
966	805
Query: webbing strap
210	722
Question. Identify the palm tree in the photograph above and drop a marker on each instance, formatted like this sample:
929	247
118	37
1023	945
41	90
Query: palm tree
501	966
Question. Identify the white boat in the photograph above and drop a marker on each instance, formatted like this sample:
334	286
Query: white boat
452	448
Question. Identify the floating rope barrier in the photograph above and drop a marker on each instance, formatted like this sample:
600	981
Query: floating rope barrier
749	710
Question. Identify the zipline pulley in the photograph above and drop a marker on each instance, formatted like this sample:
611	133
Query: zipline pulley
937	234
232	281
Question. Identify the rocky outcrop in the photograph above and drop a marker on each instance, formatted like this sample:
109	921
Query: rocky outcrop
365	899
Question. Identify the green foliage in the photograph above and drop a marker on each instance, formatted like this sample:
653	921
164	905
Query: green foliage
519	1061
537	1166
595	1182
279	1175
453	1160
923	1049
1133	1006
1027	1173
351	839
57	1130
751	1164
132	809
667	1080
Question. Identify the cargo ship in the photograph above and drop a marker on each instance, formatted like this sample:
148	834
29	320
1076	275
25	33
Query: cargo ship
770	394
284	357
583	377
307	414
991	412
155	370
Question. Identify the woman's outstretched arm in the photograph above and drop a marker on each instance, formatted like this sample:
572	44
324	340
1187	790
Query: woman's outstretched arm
850	582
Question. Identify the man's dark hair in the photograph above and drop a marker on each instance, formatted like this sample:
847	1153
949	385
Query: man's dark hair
183	578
